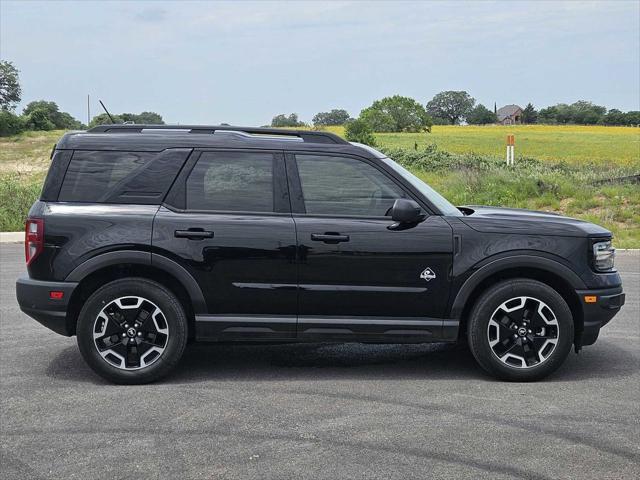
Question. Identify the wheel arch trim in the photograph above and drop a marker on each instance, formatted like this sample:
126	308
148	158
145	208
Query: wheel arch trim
143	258
507	263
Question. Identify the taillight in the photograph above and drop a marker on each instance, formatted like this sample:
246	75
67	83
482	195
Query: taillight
33	238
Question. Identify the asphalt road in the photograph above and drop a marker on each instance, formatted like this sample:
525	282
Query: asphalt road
317	411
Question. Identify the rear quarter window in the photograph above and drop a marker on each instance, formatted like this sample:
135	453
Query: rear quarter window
93	176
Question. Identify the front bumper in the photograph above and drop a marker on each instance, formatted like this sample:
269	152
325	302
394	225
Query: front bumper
35	300
596	314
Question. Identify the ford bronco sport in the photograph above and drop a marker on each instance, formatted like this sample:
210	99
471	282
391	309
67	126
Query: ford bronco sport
146	237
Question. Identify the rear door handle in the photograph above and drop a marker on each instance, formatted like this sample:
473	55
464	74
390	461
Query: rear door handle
193	234
329	237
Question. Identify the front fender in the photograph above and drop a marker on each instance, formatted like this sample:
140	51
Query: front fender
529	260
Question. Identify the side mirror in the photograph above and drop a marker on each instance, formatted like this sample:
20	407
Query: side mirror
405	213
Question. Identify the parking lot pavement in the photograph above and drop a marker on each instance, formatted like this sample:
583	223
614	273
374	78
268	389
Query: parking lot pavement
318	410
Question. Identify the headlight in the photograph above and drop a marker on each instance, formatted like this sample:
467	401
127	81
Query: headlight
603	256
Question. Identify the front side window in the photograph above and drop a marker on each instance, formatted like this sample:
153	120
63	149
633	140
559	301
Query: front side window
231	181
334	185
446	207
94	176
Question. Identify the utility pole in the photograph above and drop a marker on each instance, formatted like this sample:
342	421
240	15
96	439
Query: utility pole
88	110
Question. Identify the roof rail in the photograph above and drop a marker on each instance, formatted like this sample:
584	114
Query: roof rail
305	135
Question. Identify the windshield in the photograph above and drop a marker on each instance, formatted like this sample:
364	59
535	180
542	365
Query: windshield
446	207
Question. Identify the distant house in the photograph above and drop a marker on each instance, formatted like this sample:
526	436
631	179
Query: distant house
509	115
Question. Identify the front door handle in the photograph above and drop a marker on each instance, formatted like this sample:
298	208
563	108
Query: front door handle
329	237
193	234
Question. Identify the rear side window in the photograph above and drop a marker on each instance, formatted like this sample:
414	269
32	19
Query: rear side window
232	181
93	176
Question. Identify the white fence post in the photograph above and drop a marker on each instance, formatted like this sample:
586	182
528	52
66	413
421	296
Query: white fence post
511	142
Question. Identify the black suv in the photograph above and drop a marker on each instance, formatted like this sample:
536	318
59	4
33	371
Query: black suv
146	237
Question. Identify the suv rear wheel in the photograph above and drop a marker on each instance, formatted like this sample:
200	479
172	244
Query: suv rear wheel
520	330
132	330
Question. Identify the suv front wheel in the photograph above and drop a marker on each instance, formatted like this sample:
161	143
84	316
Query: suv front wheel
520	330
132	330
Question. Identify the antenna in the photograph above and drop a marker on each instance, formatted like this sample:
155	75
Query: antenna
107	111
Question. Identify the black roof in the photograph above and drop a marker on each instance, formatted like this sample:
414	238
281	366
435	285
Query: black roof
160	137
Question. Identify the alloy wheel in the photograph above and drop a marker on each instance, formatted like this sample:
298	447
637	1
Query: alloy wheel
523	332
131	333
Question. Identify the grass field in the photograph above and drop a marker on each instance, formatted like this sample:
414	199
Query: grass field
24	160
571	143
27	153
464	163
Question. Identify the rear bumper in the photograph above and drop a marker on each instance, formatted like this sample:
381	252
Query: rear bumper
34	300
597	314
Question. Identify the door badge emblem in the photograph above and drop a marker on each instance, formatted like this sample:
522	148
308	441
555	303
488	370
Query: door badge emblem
427	274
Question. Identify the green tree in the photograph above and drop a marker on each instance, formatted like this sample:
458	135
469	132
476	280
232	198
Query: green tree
10	123
529	114
564	113
150	118
337	116
548	115
632	118
103	119
581	112
359	131
440	121
10	91
397	114
50	107
144	118
586	113
454	106
60	120
284	120
128	117
38	119
66	121
614	117
481	115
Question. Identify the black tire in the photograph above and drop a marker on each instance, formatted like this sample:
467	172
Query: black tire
171	318
521	295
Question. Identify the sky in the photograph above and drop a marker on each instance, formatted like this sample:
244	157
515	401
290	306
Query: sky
243	62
